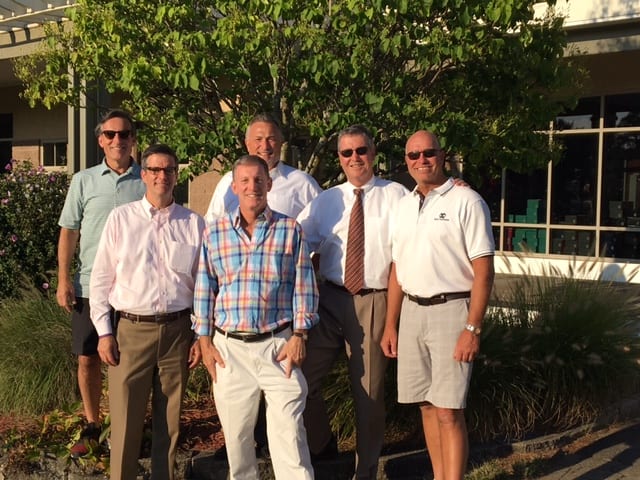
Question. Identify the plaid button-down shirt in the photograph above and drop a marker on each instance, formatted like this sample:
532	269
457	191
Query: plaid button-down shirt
254	284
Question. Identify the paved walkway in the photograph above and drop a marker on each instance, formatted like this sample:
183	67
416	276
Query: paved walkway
607	454
614	455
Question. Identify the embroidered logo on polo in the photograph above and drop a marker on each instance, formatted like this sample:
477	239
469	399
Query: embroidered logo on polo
442	217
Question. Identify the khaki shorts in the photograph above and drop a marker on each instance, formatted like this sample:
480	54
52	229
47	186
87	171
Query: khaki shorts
427	371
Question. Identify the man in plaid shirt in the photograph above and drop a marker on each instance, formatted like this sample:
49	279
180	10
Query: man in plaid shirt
255	299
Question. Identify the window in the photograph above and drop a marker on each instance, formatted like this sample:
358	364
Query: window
54	154
592	193
6	135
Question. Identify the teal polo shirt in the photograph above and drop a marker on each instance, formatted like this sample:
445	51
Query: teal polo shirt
92	194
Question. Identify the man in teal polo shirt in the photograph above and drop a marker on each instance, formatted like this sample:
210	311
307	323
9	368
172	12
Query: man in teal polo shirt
92	195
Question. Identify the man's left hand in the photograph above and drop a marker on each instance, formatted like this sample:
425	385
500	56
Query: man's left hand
467	347
195	355
293	353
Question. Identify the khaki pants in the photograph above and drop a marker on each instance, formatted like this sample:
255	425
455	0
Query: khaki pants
153	358
354	324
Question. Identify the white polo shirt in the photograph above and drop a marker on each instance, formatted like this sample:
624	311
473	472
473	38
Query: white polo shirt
325	223
433	247
291	191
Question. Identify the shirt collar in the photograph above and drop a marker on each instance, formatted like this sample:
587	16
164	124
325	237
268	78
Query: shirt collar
150	211
441	190
134	168
366	187
266	215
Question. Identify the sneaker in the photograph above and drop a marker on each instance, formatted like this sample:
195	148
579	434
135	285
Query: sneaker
329	452
89	440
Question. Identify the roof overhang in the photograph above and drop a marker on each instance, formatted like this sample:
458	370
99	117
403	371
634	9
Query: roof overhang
21	20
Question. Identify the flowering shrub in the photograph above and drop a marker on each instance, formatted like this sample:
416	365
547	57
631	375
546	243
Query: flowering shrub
30	203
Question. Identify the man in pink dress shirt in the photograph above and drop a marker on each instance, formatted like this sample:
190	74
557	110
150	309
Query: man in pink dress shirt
145	269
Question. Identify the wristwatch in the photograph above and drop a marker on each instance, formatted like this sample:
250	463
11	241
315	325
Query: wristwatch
303	335
473	329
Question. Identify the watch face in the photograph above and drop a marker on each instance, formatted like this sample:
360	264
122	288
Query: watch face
473	329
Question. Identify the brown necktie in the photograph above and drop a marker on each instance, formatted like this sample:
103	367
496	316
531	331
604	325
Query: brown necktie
354	264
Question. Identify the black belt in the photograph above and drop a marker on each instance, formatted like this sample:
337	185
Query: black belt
253	337
362	291
437	299
157	318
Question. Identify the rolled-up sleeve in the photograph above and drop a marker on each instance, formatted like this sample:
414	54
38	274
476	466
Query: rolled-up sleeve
305	294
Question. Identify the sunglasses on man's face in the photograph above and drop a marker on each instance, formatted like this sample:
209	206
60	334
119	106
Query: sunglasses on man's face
111	134
168	171
429	152
349	151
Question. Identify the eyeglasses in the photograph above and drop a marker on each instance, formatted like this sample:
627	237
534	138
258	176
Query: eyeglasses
349	151
428	152
167	170
111	134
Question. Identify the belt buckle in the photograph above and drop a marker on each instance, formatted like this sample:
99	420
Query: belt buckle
439	299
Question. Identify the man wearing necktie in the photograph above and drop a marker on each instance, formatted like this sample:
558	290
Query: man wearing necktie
348	231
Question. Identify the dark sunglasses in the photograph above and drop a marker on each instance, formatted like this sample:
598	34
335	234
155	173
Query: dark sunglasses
349	151
167	170
111	134
429	152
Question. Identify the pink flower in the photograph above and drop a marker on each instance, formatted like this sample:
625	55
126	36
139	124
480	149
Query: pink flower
45	286
14	238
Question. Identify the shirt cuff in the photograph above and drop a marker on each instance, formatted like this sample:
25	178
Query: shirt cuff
103	326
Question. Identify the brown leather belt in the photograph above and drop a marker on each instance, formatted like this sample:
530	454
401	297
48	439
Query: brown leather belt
362	291
437	299
157	318
253	337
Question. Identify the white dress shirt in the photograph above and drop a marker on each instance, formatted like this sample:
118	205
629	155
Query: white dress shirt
146	262
325	223
291	191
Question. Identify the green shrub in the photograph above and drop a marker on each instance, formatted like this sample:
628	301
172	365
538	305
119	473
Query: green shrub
37	368
30	204
558	354
557	357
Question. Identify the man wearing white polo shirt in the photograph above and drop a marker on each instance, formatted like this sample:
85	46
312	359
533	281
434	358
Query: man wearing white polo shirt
439	287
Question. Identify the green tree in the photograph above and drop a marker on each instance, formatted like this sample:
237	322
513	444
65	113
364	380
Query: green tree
484	74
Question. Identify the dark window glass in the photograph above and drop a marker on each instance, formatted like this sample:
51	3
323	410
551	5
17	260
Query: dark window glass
525	197
525	239
572	242
5	156
496	237
490	190
585	115
6	126
622	110
620	245
574	181
54	154
621	180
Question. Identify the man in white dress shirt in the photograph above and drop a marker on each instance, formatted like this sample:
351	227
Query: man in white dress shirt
350	320
145	269
291	190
